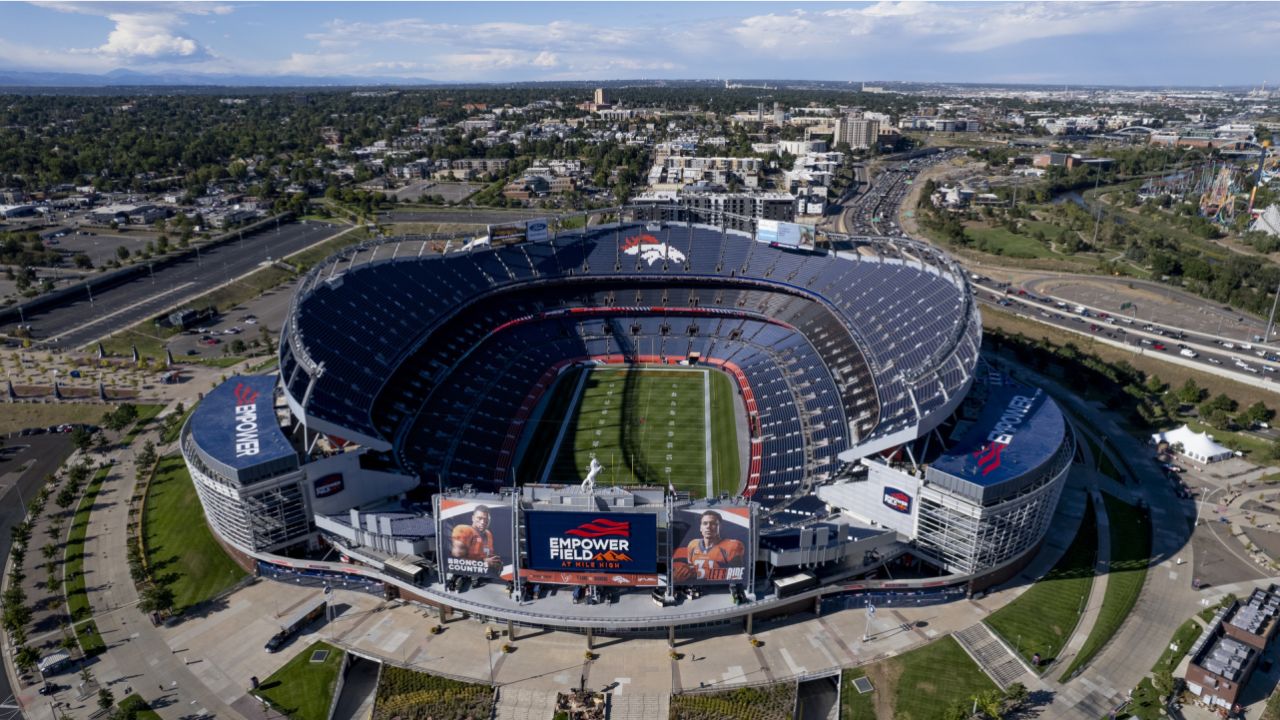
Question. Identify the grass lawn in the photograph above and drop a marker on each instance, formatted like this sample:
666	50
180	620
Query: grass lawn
1108	468
139	707
17	416
999	241
1050	230
149	339
179	546
303	689
919	685
173	425
646	426
1042	619
225	361
146	414
1130	553
73	569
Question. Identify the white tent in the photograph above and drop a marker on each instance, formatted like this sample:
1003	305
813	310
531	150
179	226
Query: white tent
1196	446
1268	222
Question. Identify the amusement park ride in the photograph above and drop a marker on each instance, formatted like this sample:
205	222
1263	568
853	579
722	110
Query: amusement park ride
1218	182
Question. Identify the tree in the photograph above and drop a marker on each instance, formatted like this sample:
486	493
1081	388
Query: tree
147	456
156	598
106	700
1254	414
65	497
991	703
26	658
122	252
81	438
1190	393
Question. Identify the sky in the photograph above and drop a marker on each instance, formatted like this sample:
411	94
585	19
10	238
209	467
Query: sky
1109	43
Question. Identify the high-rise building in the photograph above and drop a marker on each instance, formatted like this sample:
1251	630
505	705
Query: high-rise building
603	97
859	133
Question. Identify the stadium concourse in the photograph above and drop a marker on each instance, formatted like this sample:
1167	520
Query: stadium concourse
425	399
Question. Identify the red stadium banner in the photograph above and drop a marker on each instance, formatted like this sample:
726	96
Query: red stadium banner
585	578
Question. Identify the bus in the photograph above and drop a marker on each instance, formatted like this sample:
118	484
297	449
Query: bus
313	610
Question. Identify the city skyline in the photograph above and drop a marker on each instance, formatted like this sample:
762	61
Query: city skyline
1129	44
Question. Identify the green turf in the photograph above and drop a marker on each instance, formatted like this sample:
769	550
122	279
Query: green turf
999	241
134	707
173	425
180	549
1042	619
853	704
646	426
726	472
73	569
1130	553
302	689
556	406
924	683
146	413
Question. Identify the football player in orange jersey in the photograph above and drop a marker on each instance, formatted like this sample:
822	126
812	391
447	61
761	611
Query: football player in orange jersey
707	557
475	541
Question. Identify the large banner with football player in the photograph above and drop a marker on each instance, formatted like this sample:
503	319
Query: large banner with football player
715	545
477	538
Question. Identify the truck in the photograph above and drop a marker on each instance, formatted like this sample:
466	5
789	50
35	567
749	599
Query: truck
310	612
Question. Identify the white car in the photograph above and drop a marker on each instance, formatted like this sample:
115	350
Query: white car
1188	352
251	321
1215	361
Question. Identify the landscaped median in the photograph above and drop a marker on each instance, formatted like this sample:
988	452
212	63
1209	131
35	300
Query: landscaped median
1043	618
763	702
73	569
408	695
1130	554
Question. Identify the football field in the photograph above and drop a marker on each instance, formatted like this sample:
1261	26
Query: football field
651	426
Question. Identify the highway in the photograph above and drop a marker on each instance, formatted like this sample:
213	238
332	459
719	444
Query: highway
874	211
84	321
1243	358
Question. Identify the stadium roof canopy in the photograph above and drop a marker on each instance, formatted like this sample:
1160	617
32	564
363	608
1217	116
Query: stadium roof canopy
237	432
1019	431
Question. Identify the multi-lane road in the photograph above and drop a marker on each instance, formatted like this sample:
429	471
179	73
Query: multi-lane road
94	316
874	208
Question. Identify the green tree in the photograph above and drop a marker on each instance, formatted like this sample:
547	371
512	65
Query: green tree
156	598
1254	414
81	438
26	658
106	700
1190	393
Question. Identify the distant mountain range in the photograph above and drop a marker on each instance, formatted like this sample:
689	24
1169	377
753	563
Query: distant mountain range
131	78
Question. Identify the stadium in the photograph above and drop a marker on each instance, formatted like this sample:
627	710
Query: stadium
652	421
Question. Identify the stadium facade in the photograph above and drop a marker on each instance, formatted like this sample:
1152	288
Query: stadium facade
410	379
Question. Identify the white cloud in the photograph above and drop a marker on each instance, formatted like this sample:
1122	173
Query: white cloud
144	32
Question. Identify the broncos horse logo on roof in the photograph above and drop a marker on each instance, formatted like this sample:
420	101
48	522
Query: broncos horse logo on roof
651	249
